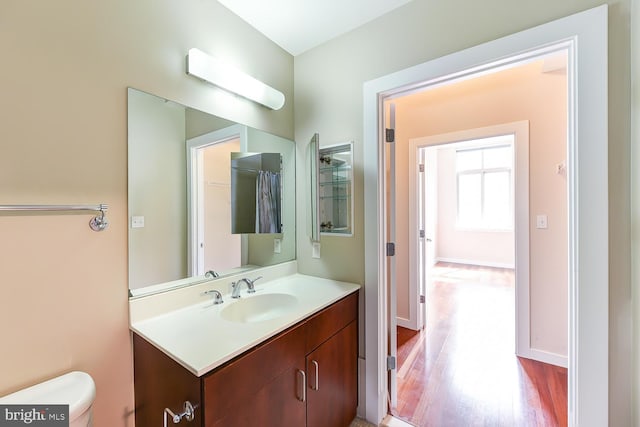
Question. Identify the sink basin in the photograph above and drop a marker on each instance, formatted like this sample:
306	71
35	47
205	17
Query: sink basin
259	308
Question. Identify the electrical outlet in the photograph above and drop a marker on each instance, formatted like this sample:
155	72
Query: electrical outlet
315	251
277	246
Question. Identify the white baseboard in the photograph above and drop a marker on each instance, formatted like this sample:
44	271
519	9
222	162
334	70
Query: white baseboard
475	262
405	323
391	421
545	357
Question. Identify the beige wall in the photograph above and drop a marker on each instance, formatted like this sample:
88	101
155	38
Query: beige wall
523	93
68	63
328	90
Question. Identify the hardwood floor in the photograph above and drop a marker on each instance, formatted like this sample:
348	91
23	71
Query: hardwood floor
462	371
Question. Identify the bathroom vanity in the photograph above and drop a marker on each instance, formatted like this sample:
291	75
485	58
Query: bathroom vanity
285	355
294	365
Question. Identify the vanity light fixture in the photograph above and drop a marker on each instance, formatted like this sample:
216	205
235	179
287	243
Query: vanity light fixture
215	71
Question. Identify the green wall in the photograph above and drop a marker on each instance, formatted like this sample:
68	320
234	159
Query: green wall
328	96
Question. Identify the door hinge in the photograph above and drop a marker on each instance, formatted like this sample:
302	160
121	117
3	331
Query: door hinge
391	363
390	135
422	234
421	167
422	300
391	249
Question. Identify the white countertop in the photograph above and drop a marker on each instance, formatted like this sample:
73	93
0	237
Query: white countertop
199	339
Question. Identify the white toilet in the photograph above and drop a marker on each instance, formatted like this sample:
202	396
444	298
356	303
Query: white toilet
76	389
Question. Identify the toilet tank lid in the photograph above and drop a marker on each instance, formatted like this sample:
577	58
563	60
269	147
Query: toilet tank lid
76	389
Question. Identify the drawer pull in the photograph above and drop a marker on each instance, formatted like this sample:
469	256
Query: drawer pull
302	386
316	386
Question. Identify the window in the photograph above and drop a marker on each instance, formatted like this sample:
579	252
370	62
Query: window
484	187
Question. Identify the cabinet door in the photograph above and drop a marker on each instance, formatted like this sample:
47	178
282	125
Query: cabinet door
278	403
263	387
332	376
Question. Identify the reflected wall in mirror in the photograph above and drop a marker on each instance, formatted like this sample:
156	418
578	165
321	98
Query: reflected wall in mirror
180	215
256	192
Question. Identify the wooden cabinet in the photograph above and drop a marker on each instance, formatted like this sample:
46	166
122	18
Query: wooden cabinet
160	383
333	380
261	383
304	376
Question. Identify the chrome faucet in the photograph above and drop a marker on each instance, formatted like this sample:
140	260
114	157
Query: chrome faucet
250	287
211	274
217	296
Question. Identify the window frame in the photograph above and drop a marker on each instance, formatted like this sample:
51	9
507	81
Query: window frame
482	171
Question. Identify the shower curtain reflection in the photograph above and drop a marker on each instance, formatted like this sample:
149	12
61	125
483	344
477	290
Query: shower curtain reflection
256	193
268	202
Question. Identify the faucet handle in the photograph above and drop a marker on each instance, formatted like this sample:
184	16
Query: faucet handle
211	274
217	296
250	283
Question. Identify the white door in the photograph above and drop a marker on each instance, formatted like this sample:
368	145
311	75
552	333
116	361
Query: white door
422	212
428	219
424	235
431	206
391	260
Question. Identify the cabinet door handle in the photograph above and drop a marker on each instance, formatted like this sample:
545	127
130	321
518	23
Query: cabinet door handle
302	385
316	386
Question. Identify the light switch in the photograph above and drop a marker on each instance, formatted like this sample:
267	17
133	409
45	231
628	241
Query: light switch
137	222
541	221
277	246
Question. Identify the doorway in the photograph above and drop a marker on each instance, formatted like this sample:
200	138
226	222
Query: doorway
212	246
466	242
588	221
481	212
468	178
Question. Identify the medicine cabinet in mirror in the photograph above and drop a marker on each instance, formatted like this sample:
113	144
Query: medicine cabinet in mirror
180	196
335	185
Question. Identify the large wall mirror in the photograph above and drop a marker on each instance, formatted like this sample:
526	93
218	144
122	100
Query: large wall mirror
180	196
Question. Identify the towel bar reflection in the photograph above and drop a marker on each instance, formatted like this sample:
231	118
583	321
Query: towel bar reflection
97	223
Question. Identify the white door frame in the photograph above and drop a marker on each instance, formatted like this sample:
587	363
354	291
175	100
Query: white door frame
585	36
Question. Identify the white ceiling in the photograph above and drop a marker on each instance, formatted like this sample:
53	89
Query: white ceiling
299	25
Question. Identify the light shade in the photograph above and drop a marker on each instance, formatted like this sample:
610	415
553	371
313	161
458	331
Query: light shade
214	71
